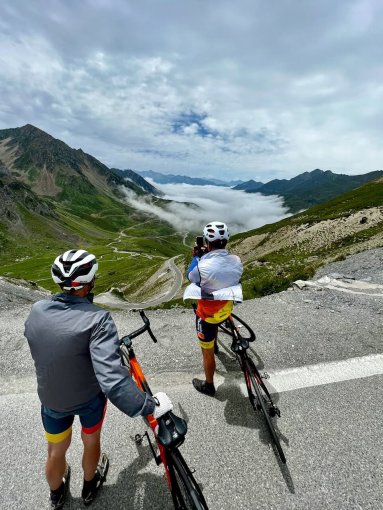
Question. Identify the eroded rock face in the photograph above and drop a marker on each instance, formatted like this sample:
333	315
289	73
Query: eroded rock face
8	210
312	237
13	193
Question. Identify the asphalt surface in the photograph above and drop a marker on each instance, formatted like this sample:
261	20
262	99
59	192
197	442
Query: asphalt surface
330	431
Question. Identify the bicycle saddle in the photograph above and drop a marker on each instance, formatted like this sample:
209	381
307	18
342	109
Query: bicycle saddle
171	430
240	344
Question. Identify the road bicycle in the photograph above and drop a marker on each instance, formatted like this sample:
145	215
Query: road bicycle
169	433
259	396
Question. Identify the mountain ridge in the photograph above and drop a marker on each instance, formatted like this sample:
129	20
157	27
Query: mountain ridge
310	188
160	178
294	248
137	179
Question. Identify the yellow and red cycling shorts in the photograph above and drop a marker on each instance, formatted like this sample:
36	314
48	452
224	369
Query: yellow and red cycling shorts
209	315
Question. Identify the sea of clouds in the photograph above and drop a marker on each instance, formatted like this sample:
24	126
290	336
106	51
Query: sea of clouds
239	210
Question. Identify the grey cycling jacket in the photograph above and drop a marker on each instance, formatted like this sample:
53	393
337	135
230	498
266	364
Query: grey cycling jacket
75	347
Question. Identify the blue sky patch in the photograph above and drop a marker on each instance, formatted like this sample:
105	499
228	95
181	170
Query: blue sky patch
192	123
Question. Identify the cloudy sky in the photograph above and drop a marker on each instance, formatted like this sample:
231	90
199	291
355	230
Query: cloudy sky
215	88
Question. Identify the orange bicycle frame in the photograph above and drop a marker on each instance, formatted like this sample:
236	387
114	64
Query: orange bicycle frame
139	377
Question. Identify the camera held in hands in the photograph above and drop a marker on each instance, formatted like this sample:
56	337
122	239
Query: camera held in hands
201	248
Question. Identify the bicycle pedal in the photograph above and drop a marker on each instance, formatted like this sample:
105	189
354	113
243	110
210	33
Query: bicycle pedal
138	438
265	375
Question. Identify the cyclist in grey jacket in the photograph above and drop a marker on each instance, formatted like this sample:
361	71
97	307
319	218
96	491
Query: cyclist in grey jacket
75	347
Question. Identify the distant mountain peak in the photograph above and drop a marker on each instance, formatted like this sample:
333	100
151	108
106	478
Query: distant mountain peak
160	178
31	130
31	127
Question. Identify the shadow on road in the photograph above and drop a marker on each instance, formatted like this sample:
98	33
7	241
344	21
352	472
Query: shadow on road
225	347
135	488
239	412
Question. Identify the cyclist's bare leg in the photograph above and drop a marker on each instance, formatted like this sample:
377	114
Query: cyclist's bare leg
92	452
56	462
209	364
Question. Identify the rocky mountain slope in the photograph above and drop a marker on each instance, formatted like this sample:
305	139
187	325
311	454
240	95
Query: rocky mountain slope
53	169
275	255
43	180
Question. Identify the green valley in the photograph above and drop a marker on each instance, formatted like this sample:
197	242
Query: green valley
55	198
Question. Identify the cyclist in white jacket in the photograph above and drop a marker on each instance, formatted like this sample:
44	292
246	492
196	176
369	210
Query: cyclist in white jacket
215	281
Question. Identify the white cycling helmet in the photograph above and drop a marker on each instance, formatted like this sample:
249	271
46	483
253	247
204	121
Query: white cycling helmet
216	231
73	269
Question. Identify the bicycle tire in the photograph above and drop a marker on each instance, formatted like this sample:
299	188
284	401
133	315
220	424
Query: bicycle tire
186	493
246	331
255	384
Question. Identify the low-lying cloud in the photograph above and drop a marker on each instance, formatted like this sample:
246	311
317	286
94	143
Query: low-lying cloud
241	211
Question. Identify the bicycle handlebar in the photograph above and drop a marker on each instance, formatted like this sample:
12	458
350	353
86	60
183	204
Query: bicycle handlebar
139	331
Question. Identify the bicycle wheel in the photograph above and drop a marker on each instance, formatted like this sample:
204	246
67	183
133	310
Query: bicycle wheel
186	493
261	400
244	329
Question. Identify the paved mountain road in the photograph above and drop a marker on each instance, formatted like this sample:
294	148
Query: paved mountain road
330	426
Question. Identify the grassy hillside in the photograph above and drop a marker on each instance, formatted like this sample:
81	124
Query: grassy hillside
54	198
106	235
275	255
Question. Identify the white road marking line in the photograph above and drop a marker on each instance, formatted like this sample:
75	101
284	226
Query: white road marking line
326	373
288	379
